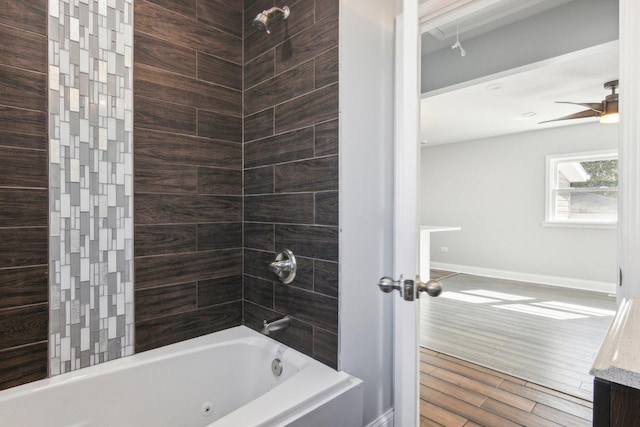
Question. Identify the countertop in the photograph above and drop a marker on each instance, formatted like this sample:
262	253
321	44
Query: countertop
619	357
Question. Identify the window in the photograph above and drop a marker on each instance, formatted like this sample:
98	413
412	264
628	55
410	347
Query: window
582	189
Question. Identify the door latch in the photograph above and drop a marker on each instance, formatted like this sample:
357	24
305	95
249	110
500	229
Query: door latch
407	288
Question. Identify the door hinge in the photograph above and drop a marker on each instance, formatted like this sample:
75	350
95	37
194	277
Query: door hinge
619	277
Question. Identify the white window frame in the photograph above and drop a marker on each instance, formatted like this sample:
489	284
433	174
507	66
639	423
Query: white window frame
552	162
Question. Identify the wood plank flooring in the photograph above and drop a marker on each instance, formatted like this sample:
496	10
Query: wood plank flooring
505	325
457	393
440	274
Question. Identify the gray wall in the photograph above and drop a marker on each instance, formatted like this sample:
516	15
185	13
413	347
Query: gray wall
494	189
576	25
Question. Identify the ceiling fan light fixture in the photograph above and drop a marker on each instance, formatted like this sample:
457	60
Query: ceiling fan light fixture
610	118
610	113
610	104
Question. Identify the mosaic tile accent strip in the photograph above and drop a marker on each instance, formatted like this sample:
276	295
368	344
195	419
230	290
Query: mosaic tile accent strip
90	182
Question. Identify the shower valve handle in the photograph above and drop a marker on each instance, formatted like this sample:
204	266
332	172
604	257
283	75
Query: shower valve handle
284	266
280	266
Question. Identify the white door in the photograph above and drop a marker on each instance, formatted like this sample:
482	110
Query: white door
406	167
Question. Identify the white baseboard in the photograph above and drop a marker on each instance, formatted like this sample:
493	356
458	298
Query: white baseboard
384	420
565	282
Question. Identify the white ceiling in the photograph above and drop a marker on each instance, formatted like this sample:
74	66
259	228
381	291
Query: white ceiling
474	110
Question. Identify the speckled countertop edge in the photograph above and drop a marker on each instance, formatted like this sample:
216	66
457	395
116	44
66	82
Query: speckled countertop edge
619	357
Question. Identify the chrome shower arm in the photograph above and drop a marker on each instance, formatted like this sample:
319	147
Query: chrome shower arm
285	11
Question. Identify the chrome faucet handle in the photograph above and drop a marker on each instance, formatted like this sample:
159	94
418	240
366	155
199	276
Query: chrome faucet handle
280	266
284	266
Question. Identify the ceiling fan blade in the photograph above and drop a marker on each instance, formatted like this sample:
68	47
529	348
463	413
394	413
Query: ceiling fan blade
580	115
595	106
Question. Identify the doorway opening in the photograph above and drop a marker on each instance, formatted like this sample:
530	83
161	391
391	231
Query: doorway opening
523	296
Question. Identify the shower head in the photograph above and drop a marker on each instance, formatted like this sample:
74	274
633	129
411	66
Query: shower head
261	21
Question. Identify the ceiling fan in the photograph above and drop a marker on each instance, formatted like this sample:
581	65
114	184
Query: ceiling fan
607	110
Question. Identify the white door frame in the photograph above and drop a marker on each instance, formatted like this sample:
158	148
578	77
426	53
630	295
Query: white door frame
406	368
629	155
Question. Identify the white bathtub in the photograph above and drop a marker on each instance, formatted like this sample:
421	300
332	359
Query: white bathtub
219	380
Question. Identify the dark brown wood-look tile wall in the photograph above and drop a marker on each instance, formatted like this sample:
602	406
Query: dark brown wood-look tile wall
291	172
188	169
194	62
24	291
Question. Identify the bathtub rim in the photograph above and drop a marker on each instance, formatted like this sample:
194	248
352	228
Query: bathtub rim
259	412
237	334
333	381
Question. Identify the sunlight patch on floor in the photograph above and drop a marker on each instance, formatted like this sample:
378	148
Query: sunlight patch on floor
467	298
581	309
498	295
543	312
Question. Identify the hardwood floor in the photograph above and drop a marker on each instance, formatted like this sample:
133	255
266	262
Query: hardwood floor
440	274
546	335
456	393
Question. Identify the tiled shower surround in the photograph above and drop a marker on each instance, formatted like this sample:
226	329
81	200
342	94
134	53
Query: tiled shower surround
189	185
235	156
291	172
90	179
188	169
23	193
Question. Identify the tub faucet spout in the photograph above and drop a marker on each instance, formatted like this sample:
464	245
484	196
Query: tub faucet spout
275	324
